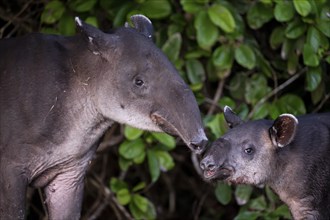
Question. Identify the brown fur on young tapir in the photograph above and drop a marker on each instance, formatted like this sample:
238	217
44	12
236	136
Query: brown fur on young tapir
58	95
290	154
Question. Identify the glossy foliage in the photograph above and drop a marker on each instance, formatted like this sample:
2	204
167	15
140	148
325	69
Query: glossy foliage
262	58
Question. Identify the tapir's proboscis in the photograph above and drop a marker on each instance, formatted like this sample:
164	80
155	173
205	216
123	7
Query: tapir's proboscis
58	95
290	154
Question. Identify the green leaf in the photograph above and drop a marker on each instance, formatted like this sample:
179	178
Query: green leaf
222	17
271	196
165	160
287	48
237	85
318	93
243	194
284	11
172	47
140	202
150	210
258	15
191	6
290	103
276	37
263	64
139	186
225	100
165	139
258	203
120	16
303	7
117	184
132	133
247	215
223	57
82	5
139	159
136	212
256	88
194	54
313	38
217	124
123	196
261	111
124	164
131	149
156	9
223	193
92	20
295	29
313	78
153	164
283	211
293	63
323	26
245	56
195	71
207	32
310	57
66	25
53	12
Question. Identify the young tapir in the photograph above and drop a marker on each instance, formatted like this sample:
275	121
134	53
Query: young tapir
290	154
59	94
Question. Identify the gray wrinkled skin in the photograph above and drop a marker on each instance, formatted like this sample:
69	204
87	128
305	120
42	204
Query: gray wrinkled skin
59	94
291	155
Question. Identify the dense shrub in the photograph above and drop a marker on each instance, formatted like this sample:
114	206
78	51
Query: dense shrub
262	58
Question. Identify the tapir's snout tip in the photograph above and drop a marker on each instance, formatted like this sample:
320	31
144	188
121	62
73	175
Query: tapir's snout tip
199	146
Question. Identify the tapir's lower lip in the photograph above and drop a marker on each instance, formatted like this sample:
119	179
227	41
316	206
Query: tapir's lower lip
218	173
164	124
197	145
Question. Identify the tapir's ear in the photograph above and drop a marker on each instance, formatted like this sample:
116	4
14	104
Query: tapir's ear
283	130
95	37
142	24
231	118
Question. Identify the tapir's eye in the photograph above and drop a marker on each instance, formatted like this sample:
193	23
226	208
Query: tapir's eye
249	151
139	82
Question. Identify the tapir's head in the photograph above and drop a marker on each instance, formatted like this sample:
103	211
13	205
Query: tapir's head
138	85
247	153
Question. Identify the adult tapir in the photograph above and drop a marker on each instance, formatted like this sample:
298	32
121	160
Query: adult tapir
59	94
290	154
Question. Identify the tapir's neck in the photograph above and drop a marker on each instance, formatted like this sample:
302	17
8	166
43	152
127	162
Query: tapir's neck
289	185
78	121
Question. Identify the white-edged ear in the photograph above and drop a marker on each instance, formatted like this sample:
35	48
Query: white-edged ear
231	118
283	130
142	24
97	40
78	21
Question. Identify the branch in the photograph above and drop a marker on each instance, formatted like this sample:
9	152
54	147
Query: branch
109	199
327	96
217	96
276	90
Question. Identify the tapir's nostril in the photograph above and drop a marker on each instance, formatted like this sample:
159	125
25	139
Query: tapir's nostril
198	147
207	164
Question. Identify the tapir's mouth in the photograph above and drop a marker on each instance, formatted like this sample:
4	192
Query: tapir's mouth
218	173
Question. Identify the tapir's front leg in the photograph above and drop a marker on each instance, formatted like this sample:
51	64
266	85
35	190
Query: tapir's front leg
13	185
64	195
